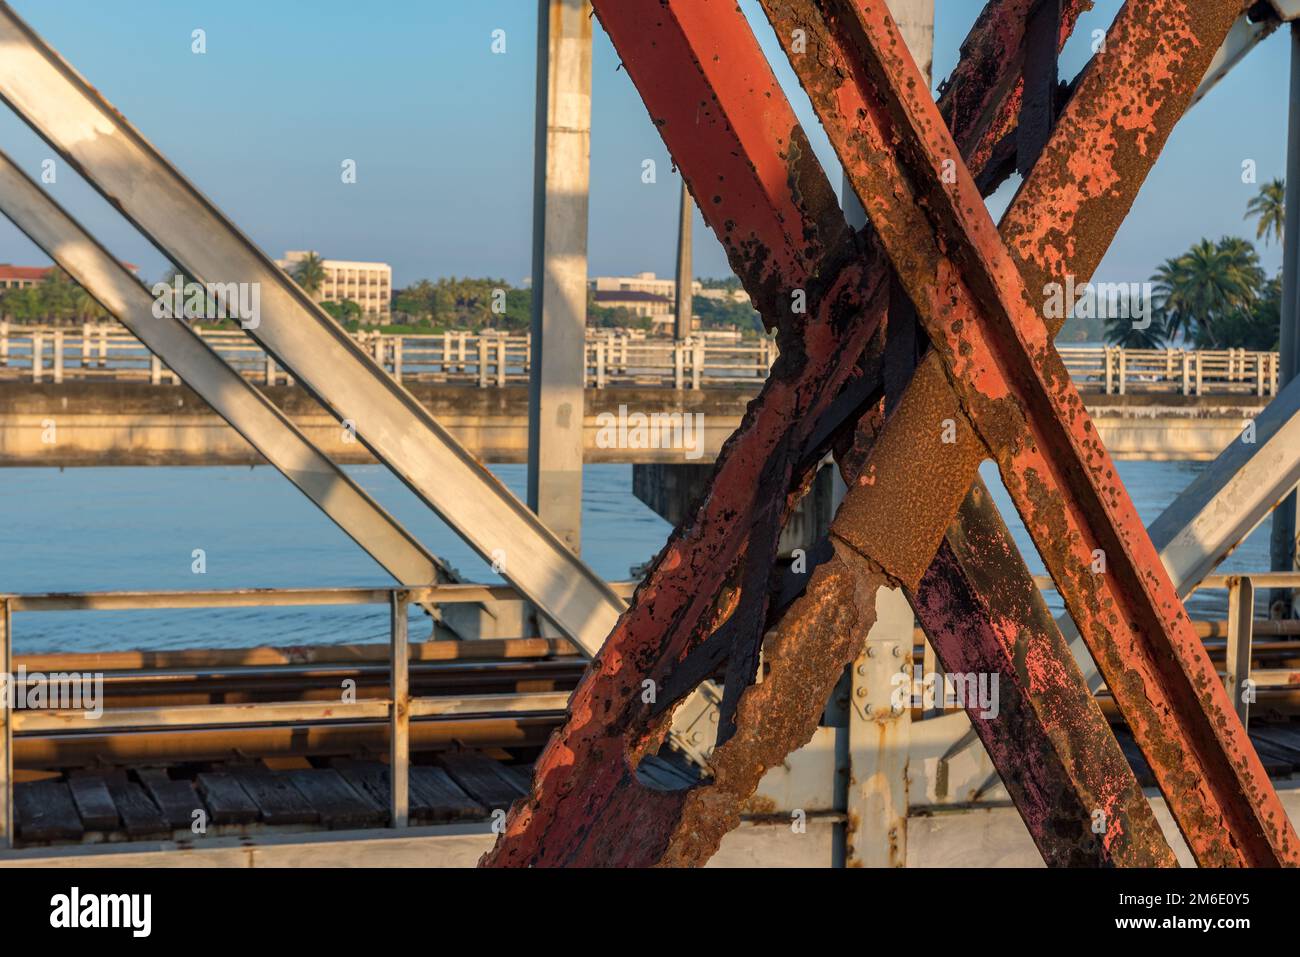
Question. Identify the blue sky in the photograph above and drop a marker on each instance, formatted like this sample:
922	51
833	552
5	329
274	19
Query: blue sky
441	129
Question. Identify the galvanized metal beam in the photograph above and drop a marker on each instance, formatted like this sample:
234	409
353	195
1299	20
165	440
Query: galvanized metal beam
682	324
61	107
250	413
557	372
1283	543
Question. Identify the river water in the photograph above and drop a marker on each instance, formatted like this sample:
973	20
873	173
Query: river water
94	529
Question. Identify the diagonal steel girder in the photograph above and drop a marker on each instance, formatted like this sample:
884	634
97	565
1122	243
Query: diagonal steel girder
625	33
1052	745
121	164
1019	400
249	412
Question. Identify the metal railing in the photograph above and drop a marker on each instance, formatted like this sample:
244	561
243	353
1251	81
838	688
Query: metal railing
1116	371
399	708
105	351
613	358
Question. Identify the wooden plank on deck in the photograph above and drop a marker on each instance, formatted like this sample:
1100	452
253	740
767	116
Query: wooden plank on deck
278	801
140	816
339	804
229	803
94	803
441	798
482	778
1283	737
176	799
43	811
1277	761
368	777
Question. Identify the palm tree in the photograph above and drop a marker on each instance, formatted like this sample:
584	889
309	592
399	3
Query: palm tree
1269	207
1120	331
87	307
309	273
1196	294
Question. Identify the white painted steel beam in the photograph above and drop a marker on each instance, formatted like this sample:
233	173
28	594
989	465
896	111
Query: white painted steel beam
280	712
114	157
1242	38
562	161
250	413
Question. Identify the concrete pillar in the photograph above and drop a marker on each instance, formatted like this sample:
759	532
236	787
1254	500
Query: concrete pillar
561	164
1283	543
683	327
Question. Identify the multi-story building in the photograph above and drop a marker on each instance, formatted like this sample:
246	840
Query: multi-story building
369	285
644	282
645	294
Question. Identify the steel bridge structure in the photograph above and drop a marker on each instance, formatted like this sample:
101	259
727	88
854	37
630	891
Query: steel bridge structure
912	343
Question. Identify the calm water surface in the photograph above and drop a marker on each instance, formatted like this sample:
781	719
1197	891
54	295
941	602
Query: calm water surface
96	529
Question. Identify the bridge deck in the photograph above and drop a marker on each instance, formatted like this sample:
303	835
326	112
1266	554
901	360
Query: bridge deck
117	805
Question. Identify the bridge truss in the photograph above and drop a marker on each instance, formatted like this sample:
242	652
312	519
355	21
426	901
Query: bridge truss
846	382
911	350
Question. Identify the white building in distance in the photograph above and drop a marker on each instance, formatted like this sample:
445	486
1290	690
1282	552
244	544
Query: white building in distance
369	285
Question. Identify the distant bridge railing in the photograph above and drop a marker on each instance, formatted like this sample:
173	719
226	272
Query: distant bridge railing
1116	371
613	358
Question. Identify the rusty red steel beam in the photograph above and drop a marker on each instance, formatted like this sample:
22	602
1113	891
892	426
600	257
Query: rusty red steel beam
1050	741
1102	201
761	189
1056	773
815	704
977	602
1127	840
973	302
980	101
1071	783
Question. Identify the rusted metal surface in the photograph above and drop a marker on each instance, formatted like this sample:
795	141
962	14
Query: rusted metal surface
1039	89
641	33
1075	790
981	100
980	316
758	185
756	744
947	467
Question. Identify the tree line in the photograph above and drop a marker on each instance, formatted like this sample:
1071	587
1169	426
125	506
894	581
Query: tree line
54	300
1216	295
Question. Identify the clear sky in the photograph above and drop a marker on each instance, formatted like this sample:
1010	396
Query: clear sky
441	130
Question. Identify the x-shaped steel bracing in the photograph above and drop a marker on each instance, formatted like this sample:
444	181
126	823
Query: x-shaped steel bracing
991	372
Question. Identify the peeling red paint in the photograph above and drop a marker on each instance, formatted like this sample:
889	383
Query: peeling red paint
973	302
781	229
